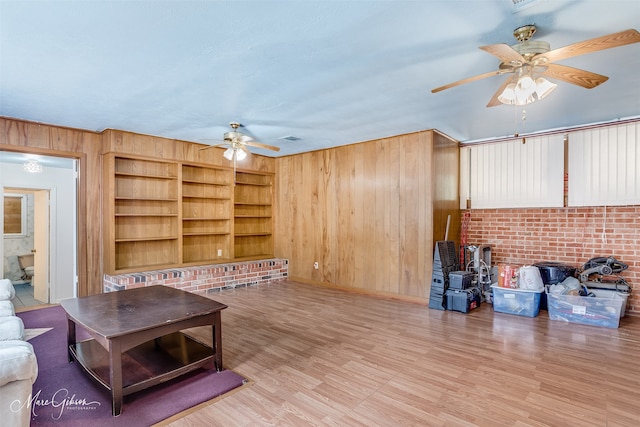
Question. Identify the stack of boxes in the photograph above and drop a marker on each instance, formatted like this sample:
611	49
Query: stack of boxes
451	288
461	295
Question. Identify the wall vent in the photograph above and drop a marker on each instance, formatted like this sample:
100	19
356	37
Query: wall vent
518	5
290	138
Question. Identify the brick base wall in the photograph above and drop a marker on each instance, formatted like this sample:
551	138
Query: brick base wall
205	277
569	235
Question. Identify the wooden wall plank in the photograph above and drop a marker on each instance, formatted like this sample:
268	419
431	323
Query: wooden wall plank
343	199
446	188
381	216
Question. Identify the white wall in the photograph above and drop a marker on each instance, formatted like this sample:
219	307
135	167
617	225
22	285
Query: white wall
61	184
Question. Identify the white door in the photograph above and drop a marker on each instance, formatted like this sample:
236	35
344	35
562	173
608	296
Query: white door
41	246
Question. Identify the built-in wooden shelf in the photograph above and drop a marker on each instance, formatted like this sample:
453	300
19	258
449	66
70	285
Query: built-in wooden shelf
167	214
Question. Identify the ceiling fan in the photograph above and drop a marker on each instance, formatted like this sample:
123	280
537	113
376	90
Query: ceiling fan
530	61
237	143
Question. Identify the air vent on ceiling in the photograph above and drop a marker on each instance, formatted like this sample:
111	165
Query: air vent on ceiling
518	5
290	138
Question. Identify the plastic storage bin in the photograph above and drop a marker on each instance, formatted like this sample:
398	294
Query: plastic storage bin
463	300
605	293
605	309
522	302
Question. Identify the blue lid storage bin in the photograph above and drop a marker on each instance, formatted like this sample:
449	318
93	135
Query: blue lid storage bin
522	302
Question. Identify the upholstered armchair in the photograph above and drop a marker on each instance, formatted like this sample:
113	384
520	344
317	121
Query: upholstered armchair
18	365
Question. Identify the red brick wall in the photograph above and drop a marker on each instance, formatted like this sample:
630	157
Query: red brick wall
568	235
204	278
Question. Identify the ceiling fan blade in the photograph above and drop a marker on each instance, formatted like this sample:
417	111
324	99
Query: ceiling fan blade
261	145
494	101
243	148
211	146
575	76
504	53
210	140
468	80
593	45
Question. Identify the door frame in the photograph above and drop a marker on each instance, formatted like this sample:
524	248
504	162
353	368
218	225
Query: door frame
44	258
79	229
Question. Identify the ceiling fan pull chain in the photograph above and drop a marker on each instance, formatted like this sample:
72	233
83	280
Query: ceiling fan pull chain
524	123
235	164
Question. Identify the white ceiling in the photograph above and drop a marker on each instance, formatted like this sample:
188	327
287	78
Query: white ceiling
328	72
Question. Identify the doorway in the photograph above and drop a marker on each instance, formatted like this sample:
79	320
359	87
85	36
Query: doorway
49	234
26	244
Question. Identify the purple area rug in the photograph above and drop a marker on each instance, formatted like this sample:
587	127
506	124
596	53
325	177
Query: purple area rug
64	395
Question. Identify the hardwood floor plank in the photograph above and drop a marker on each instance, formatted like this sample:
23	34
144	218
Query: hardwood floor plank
320	356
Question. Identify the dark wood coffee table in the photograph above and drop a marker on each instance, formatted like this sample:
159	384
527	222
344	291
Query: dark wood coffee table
136	340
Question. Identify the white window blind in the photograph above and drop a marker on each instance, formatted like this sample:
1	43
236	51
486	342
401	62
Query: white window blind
604	166
512	174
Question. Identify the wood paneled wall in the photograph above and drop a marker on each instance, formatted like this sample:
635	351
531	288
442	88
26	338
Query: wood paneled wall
446	188
368	212
88	147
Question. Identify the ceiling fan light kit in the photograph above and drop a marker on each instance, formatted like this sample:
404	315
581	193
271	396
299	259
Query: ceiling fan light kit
526	90
531	61
237	143
236	152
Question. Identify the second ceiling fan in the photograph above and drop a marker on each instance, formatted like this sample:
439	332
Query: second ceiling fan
530	61
237	143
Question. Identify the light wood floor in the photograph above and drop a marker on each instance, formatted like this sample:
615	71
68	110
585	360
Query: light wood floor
320	356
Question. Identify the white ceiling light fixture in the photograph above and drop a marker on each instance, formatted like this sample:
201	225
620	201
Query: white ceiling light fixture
234	153
525	90
32	166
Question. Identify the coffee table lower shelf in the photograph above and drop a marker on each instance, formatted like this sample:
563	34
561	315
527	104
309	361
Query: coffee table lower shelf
146	365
